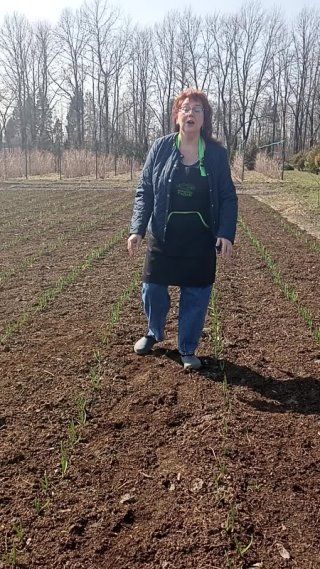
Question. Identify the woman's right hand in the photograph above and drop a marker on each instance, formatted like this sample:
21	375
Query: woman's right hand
134	244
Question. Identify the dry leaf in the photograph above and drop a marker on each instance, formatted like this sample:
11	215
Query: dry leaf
197	485
283	551
126	498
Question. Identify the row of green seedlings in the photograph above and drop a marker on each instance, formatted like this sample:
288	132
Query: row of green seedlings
312	244
287	289
48	296
14	547
75	426
6	274
295	231
222	478
41	503
22	238
54	208
95	373
74	430
95	370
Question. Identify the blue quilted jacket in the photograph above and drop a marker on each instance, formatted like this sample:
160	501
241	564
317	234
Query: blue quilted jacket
151	203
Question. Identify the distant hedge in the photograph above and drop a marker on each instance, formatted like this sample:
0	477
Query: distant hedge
308	161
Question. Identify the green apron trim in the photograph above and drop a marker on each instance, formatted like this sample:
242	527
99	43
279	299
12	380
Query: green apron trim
188	212
201	149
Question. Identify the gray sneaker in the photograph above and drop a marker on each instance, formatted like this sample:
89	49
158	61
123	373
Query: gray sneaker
144	345
191	362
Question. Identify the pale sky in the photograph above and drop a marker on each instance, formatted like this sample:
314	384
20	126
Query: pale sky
143	11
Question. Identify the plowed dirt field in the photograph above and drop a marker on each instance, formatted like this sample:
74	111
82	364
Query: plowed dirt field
113	461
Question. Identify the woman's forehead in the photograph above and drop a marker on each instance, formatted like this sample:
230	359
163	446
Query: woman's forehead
189	100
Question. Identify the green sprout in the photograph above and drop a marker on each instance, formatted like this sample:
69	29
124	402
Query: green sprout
44	482
64	461
73	437
82	410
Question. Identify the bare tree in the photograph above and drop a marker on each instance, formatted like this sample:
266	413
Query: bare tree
45	56
140	88
15	48
119	83
71	35
109	41
305	39
190	33
222	67
298	81
5	108
255	41
164	47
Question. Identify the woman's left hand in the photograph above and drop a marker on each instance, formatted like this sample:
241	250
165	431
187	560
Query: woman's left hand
224	246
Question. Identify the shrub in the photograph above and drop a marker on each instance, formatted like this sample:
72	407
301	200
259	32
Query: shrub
250	156
267	165
312	163
299	160
75	163
309	161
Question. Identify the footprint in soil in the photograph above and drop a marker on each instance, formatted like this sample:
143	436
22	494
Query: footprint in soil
177	419
127	520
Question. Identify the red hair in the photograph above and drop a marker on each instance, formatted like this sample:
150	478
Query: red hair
195	95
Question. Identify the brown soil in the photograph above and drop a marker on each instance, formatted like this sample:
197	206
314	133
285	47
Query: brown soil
298	263
206	470
54	252
53	217
292	206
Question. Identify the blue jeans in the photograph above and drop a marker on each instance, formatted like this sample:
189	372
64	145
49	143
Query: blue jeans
194	302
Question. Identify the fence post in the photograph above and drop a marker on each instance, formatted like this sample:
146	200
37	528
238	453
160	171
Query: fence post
5	163
26	161
243	159
283	159
96	151
60	161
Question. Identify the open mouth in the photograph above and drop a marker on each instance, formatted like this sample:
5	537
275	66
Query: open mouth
190	121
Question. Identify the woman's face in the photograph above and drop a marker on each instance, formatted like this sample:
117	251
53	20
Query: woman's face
190	116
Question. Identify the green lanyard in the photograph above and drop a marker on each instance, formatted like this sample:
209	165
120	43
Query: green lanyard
201	148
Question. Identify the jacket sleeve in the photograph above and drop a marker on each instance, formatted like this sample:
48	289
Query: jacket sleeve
143	203
228	201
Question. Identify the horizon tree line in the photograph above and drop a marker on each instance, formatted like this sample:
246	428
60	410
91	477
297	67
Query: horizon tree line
96	81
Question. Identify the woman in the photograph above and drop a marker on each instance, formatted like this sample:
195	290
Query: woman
187	201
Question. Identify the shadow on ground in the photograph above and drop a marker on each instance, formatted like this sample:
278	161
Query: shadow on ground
296	394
